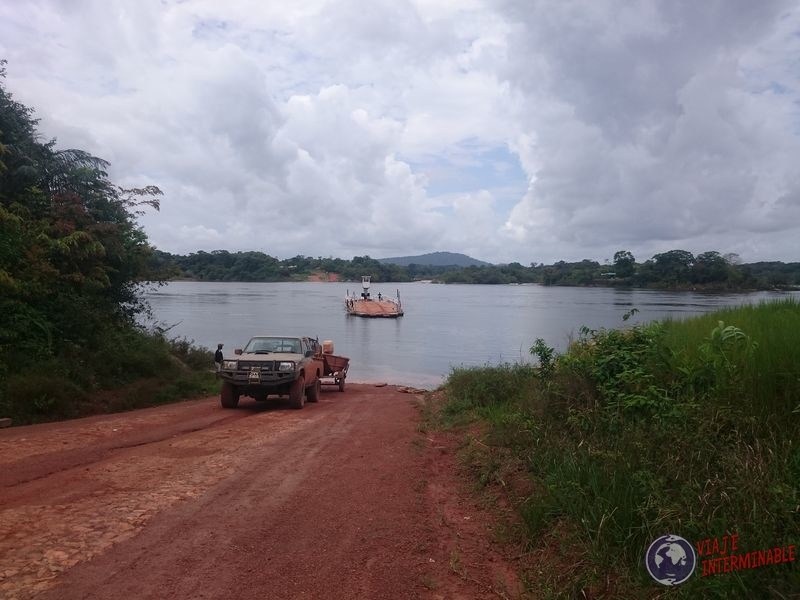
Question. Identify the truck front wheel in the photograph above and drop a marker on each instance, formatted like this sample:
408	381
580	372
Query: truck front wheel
313	392
229	397
297	393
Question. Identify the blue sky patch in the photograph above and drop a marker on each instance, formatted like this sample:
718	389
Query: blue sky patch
470	168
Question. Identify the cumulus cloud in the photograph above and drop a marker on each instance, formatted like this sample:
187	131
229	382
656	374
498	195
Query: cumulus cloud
652	127
509	130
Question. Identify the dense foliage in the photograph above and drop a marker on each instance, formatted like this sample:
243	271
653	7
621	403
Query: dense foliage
221	265
71	255
674	269
677	427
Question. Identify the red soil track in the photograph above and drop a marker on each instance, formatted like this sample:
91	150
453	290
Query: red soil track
343	499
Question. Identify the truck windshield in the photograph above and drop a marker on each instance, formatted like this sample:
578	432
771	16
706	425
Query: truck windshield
265	345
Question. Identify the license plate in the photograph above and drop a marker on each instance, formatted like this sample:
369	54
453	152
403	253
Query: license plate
255	374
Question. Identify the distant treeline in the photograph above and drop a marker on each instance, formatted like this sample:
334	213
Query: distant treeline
676	269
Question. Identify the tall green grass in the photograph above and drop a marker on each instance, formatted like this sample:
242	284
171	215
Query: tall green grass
768	382
128	369
686	427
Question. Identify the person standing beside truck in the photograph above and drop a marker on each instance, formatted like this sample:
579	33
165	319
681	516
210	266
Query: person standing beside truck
218	358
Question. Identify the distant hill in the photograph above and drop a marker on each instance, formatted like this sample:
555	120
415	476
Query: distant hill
435	259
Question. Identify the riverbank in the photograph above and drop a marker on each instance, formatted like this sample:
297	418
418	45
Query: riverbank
685	428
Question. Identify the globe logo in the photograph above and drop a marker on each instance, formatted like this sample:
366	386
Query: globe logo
670	560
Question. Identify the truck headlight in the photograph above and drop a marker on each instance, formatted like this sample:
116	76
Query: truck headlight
229	365
286	366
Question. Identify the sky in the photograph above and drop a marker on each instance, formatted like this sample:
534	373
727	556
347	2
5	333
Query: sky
509	130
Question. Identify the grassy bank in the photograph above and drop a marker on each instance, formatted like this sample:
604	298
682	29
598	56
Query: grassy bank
129	369
686	427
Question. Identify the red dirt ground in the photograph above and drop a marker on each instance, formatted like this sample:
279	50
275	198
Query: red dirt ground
318	276
346	498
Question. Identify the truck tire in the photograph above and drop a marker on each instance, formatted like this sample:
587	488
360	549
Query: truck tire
341	385
229	397
297	393
312	395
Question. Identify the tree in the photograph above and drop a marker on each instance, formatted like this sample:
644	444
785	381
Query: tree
624	263
71	254
710	267
673	267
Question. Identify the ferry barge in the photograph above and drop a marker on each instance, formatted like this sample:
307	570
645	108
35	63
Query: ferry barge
366	306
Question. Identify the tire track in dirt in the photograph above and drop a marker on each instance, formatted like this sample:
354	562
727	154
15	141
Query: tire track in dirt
30	453
344	499
51	524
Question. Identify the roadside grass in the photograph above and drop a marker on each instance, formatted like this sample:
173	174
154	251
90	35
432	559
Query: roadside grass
155	392
132	369
685	427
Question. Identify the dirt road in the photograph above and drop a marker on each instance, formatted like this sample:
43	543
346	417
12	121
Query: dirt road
343	499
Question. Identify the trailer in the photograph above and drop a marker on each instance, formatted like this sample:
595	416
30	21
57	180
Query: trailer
334	370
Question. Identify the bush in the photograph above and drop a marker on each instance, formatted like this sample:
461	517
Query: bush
194	357
37	398
684	427
155	370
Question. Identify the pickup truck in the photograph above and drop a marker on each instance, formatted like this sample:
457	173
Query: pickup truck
277	365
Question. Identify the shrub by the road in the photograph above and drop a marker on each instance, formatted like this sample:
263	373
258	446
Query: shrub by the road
129	369
684	427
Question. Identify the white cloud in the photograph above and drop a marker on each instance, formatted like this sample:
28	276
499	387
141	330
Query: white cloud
648	133
322	128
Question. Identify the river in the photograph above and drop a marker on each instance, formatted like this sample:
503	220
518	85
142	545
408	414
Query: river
444	326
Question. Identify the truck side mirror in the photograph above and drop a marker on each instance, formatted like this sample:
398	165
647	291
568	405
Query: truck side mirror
237	351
